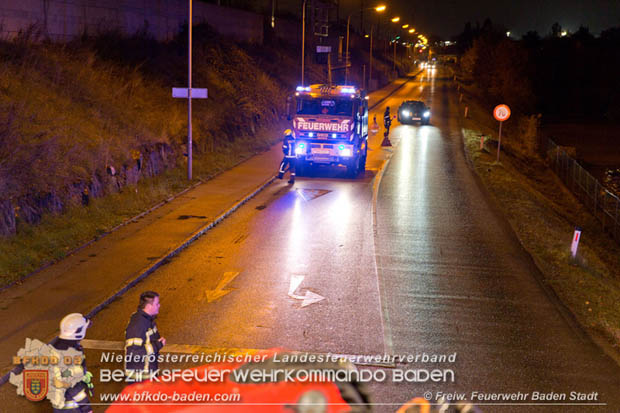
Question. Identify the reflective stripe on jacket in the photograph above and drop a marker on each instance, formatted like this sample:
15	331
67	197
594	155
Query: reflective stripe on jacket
141	345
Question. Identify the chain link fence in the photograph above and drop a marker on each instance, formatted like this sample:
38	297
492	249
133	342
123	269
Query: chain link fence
602	203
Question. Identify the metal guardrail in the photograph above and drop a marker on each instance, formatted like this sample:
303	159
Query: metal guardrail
604	205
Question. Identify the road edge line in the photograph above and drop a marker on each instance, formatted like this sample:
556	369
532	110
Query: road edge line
385	319
153	267
409	78
188	241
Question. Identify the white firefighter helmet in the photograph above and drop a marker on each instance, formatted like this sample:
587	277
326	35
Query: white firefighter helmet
73	327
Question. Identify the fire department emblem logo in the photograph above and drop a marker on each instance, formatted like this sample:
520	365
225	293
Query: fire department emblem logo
35	384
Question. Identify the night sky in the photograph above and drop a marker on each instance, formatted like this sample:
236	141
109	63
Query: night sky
448	17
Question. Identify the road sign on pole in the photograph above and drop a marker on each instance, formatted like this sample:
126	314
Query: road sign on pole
501	113
182	92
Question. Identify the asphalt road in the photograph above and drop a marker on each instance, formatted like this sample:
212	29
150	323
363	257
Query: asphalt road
433	270
456	280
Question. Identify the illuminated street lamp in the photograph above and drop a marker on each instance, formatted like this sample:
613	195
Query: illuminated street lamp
378	9
404	26
411	30
395	19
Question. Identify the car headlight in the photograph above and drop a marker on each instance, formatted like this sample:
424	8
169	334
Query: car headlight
427	113
405	113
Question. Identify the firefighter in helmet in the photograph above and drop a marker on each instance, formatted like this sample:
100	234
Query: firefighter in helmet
288	148
72	330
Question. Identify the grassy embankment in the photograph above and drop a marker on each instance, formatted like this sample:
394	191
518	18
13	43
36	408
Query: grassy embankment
70	111
544	214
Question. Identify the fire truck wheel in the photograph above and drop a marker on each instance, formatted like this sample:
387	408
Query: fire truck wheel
301	169
362	168
353	168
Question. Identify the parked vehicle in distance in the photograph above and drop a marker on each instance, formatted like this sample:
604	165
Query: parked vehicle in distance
411	111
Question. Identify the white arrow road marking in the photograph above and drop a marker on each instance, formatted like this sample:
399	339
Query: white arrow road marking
308	298
219	291
311	298
296	281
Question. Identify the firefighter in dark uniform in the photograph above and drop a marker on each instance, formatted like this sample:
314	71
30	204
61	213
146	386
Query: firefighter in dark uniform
288	148
387	120
72	330
142	340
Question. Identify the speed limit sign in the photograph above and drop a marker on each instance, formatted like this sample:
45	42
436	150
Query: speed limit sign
501	112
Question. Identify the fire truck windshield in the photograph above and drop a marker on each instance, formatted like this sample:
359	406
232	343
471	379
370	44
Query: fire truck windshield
338	107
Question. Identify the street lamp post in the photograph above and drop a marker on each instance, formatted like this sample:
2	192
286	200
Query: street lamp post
394	60
303	40
370	65
189	93
346	61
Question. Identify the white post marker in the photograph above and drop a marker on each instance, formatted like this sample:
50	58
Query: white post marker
575	243
184	93
501	113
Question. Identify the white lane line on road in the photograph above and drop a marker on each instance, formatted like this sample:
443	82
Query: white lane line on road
385	319
372	360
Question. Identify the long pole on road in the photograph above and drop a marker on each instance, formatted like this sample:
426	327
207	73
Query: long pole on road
189	93
346	59
370	63
303	40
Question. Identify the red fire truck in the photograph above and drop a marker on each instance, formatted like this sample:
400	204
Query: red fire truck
330	126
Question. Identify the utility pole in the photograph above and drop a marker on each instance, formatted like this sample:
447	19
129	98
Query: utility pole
303	40
370	64
189	96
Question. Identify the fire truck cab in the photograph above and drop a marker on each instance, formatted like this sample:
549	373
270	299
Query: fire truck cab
330	127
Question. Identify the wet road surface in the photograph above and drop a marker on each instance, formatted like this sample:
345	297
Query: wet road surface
432	270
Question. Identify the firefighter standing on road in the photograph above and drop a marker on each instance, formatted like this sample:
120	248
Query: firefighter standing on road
142	340
72	330
288	148
387	120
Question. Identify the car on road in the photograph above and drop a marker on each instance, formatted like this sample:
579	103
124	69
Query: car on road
414	111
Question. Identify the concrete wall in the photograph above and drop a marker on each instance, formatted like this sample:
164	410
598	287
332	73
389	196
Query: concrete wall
62	20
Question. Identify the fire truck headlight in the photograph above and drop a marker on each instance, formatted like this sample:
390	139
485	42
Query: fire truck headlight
344	151
300	149
427	113
405	113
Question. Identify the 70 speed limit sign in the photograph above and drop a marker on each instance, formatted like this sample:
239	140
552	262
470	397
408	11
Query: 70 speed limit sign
501	112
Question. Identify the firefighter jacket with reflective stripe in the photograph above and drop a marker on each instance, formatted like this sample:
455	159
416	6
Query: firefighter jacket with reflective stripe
288	147
76	397
387	119
141	345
